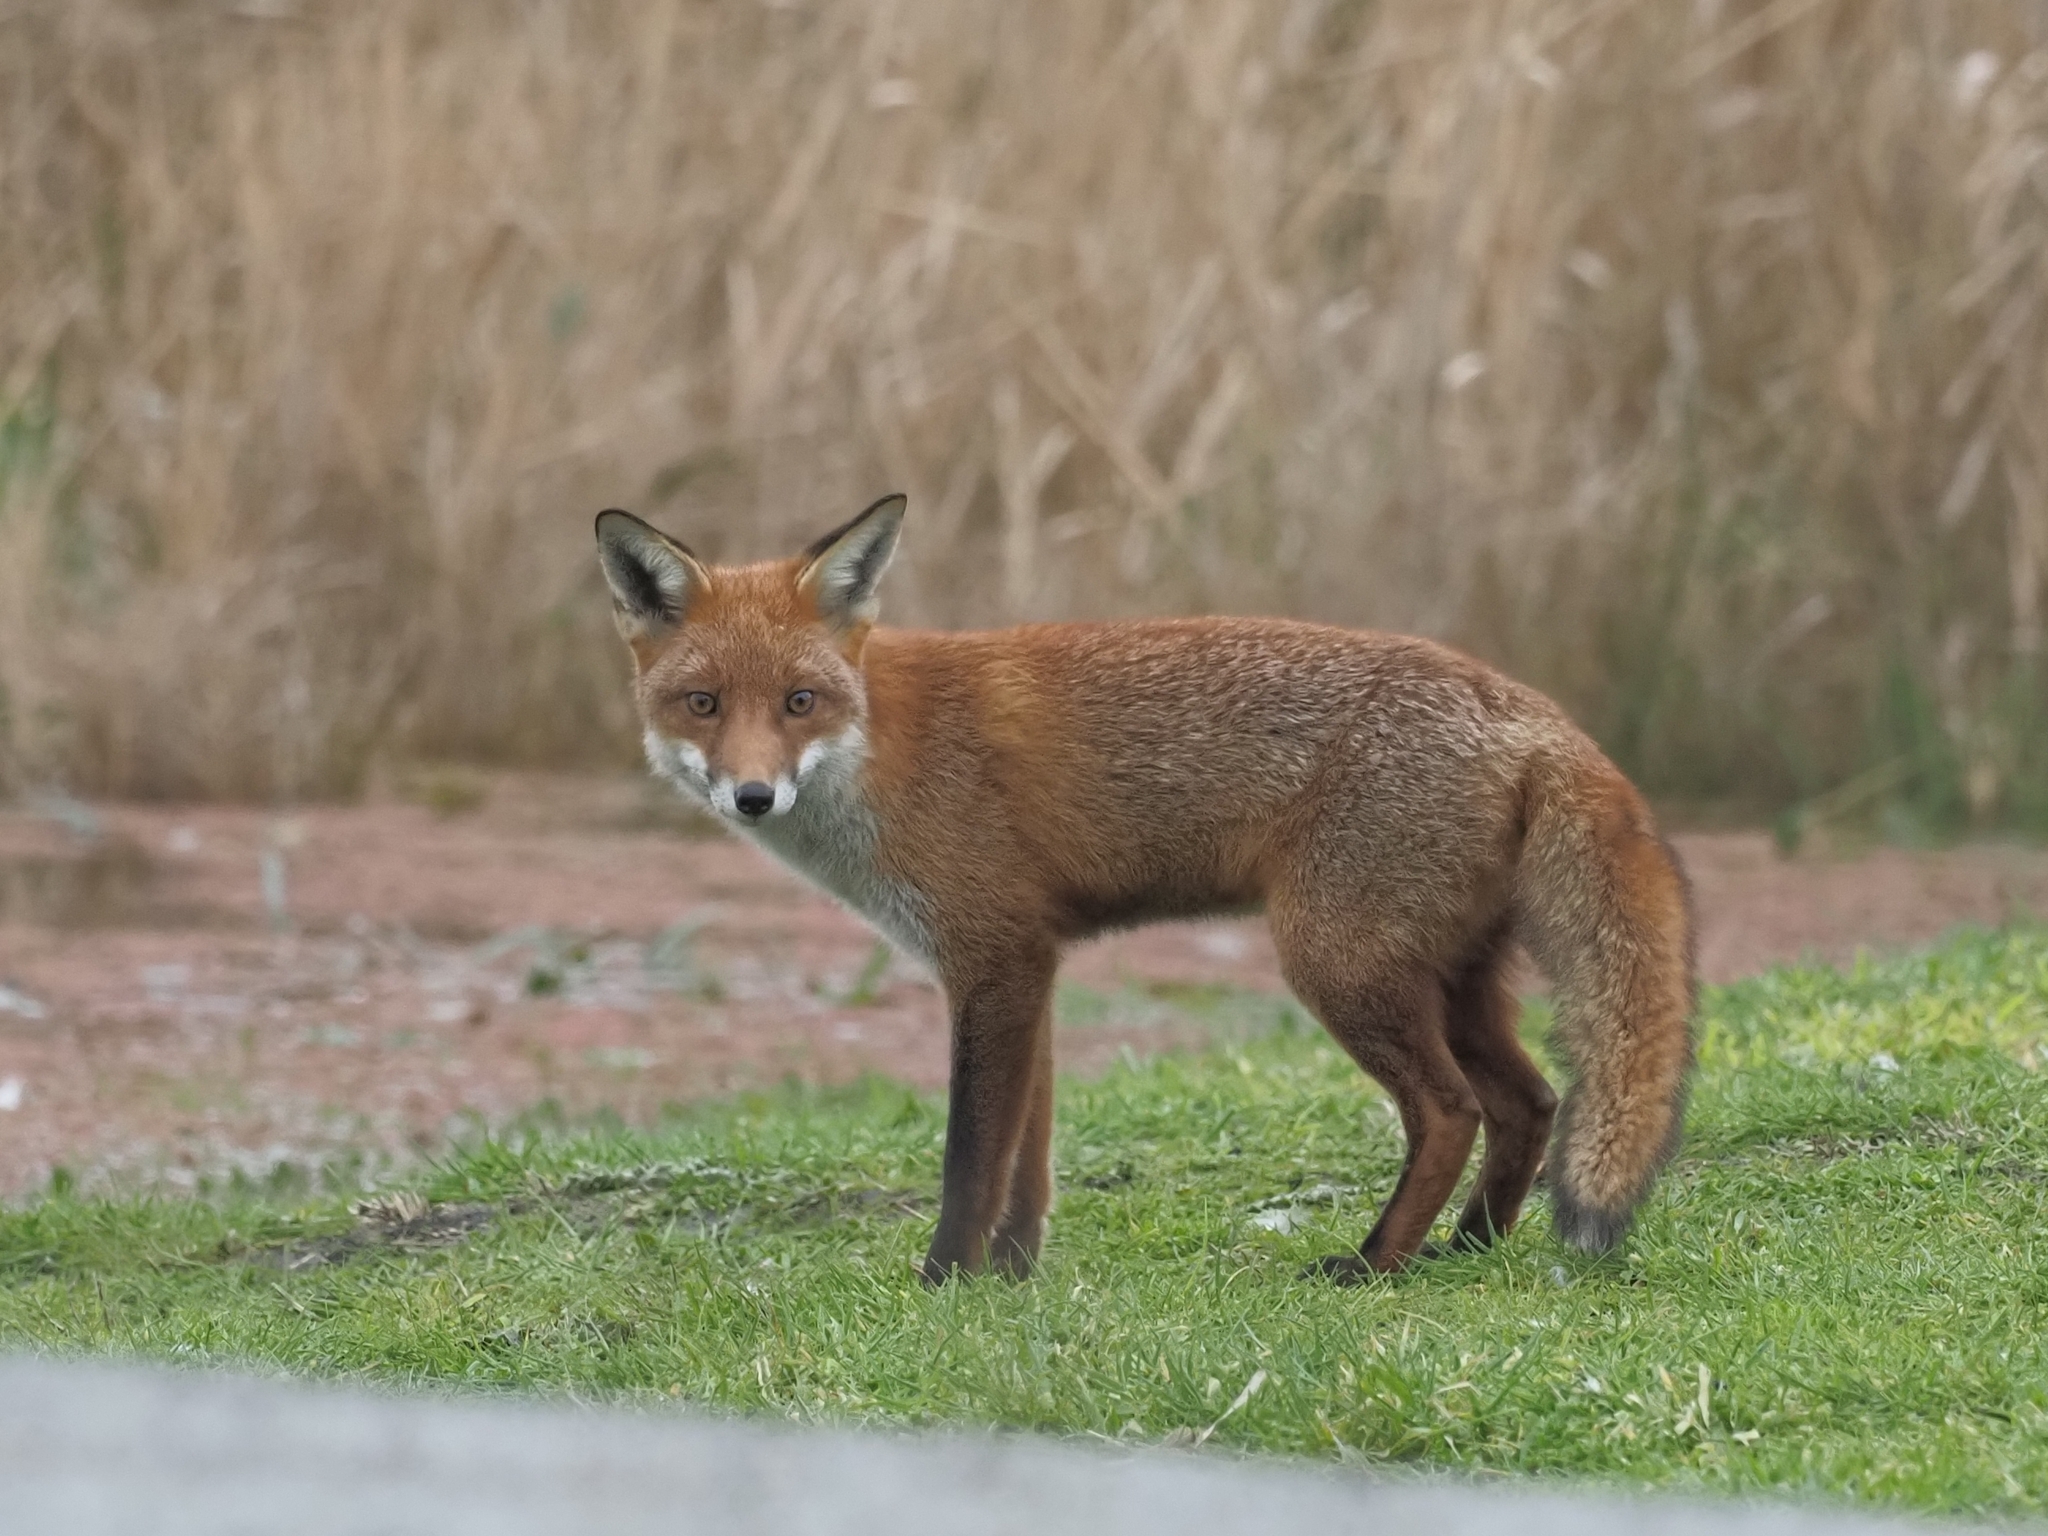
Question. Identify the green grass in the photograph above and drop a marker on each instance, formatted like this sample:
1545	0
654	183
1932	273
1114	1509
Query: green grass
1840	1288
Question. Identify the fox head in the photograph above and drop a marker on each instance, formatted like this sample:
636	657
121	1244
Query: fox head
748	677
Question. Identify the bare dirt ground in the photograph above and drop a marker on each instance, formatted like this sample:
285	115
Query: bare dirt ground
189	992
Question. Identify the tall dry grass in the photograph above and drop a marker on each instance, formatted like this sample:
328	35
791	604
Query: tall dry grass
1685	356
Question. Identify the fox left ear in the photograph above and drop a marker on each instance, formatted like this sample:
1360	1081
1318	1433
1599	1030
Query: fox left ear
843	568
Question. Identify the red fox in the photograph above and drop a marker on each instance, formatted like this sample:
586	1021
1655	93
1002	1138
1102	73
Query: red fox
1399	811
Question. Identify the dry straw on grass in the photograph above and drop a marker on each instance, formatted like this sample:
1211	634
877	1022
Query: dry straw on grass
1686	356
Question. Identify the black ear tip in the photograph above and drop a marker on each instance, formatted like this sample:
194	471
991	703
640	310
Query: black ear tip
613	512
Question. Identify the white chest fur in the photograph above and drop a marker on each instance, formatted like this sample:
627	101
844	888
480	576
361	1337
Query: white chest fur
828	833
828	836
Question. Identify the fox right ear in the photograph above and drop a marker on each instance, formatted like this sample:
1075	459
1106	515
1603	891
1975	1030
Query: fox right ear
652	577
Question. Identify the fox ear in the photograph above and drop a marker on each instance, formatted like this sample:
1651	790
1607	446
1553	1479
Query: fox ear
843	568
652	577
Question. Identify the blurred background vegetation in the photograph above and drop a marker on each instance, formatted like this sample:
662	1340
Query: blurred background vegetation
1688	358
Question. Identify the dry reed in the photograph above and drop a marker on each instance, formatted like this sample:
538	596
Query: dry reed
1686	357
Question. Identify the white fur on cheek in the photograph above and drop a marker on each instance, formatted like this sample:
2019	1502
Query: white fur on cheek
844	752
681	763
684	765
723	794
816	753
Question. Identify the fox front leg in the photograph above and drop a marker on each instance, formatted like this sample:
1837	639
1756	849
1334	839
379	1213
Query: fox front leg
998	1016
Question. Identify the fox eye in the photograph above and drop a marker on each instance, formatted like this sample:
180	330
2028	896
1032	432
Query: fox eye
702	703
801	701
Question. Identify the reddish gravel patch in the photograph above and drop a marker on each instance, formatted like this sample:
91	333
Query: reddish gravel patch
185	991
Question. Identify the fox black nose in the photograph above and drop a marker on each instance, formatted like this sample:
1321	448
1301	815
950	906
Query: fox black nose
755	798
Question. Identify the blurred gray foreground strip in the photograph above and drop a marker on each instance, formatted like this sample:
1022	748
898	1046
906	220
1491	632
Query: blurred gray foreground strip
88	1448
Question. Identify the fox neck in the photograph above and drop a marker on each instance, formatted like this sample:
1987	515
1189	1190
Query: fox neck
830	835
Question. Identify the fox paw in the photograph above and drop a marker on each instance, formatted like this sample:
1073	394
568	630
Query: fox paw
1456	1243
1343	1269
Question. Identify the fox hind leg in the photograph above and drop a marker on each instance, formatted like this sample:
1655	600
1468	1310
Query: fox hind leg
1387	1011
1518	1105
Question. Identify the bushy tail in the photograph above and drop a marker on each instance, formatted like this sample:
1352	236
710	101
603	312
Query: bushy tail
1605	910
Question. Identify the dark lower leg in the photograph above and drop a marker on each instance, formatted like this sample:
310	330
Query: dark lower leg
995	1046
1440	1138
1480	1013
1021	1233
1396	1035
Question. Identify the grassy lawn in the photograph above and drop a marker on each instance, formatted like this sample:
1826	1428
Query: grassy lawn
1841	1287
